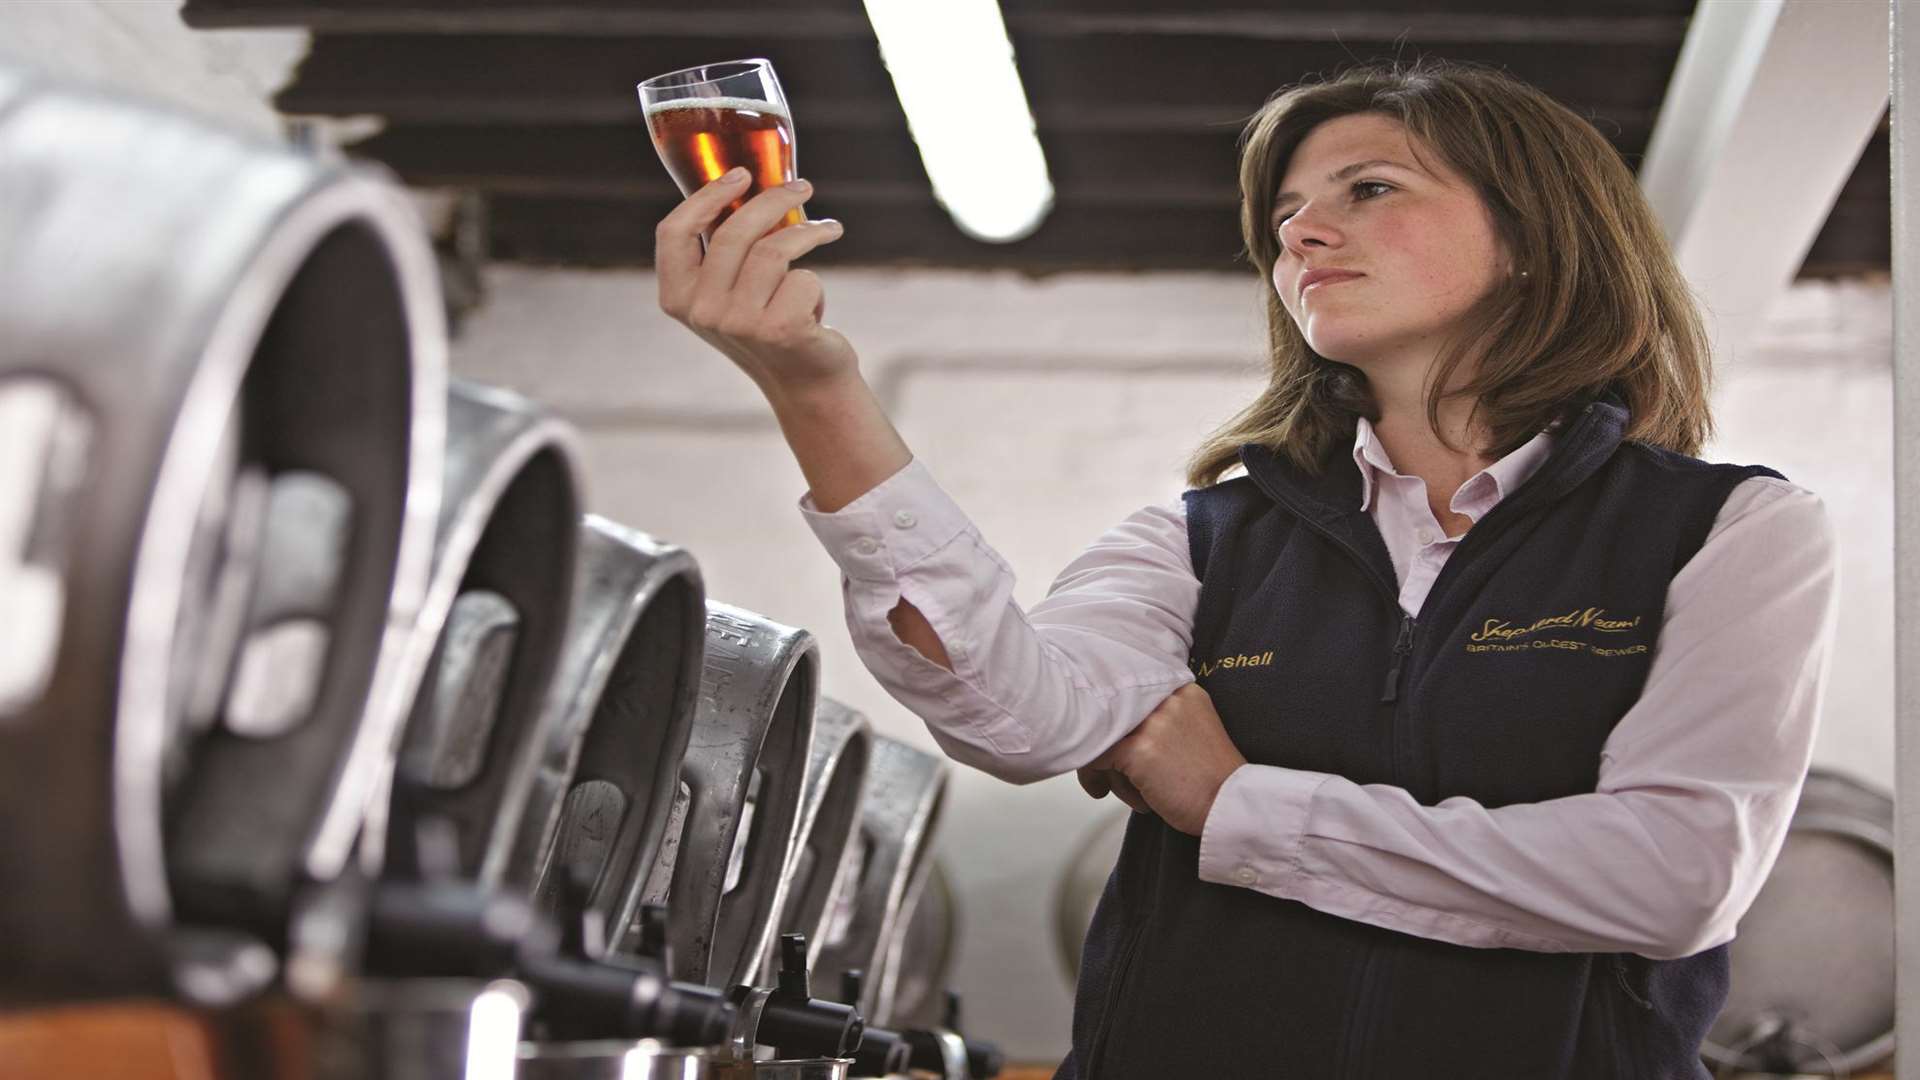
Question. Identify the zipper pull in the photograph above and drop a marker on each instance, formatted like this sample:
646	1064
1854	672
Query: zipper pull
1401	647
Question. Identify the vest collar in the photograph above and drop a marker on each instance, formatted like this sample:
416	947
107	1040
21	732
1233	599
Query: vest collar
1579	449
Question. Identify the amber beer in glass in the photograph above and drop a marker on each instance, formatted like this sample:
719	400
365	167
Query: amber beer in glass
706	120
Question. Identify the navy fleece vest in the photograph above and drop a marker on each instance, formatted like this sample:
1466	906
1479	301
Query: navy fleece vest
1534	640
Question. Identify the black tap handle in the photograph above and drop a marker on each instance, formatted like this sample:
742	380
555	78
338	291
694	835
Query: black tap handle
583	930
653	935
951	1021
793	966
852	982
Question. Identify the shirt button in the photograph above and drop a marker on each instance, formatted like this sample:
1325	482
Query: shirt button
1245	875
1427	536
904	519
866	545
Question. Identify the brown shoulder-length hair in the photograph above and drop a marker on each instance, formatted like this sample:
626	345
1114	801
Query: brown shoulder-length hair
1603	307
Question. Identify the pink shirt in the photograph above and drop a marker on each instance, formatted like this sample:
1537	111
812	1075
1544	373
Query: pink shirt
1697	782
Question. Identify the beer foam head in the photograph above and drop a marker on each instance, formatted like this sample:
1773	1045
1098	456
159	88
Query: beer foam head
733	104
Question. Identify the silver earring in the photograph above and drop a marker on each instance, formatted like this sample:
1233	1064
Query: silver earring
1523	273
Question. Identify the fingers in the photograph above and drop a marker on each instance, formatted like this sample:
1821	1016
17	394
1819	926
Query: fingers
731	241
1099	782
676	240
1093	782
1129	794
798	305
765	271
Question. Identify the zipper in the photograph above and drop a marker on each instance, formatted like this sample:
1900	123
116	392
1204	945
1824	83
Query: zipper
1096	1050
1620	976
1403	643
1401	647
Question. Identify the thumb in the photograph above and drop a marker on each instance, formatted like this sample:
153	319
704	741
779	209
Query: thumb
1093	781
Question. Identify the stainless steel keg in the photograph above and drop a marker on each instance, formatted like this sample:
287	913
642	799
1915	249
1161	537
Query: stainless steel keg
722	865
906	790
610	769
222	376
1081	881
482	656
803	1069
613	1059
820	872
1813	962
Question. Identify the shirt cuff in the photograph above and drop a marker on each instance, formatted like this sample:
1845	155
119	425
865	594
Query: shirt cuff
1253	832
897	523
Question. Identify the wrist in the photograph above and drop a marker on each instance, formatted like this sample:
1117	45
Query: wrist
842	440
824	395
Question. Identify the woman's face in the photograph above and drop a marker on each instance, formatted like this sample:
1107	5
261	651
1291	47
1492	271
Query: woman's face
1418	248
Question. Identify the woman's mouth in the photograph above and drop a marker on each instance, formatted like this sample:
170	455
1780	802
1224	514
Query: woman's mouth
1320	281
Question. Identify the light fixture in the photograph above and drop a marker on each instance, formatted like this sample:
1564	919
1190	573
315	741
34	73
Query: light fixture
952	67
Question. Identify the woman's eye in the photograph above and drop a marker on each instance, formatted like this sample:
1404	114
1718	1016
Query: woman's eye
1362	191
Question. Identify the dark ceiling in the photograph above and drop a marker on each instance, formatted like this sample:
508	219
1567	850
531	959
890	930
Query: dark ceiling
1139	104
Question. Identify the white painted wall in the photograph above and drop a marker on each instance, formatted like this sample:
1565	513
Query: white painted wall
1050	410
142	47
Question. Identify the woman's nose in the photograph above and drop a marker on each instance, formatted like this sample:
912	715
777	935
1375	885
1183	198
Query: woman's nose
1308	228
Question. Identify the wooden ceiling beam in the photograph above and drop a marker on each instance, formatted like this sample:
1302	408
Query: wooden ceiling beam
1420	28
1624	127
843	115
844	193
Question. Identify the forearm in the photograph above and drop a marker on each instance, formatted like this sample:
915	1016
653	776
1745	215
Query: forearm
846	446
1020	700
1021	693
1661	873
840	436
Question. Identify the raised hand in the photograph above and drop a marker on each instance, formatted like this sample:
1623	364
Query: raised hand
741	295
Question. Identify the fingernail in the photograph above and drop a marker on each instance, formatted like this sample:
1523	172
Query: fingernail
734	175
798	185
831	224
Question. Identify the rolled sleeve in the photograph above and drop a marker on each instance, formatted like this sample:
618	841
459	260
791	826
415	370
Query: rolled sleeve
900	522
1253	832
1030	694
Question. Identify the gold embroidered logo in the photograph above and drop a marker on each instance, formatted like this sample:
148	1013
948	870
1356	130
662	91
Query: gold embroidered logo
1505	635
1242	660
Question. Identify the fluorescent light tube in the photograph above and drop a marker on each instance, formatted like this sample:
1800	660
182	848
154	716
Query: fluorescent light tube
952	67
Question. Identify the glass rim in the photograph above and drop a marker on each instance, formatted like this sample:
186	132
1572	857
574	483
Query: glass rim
661	80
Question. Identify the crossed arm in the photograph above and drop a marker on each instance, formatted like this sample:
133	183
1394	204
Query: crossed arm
1697	782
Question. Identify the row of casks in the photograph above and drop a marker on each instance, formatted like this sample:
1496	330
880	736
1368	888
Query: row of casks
288	614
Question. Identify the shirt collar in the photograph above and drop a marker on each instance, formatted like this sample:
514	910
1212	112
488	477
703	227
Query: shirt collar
1479	494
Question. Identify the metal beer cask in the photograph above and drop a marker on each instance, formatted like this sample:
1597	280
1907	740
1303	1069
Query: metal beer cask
193	297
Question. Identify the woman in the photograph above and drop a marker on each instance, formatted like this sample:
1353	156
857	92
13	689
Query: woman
1465	725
